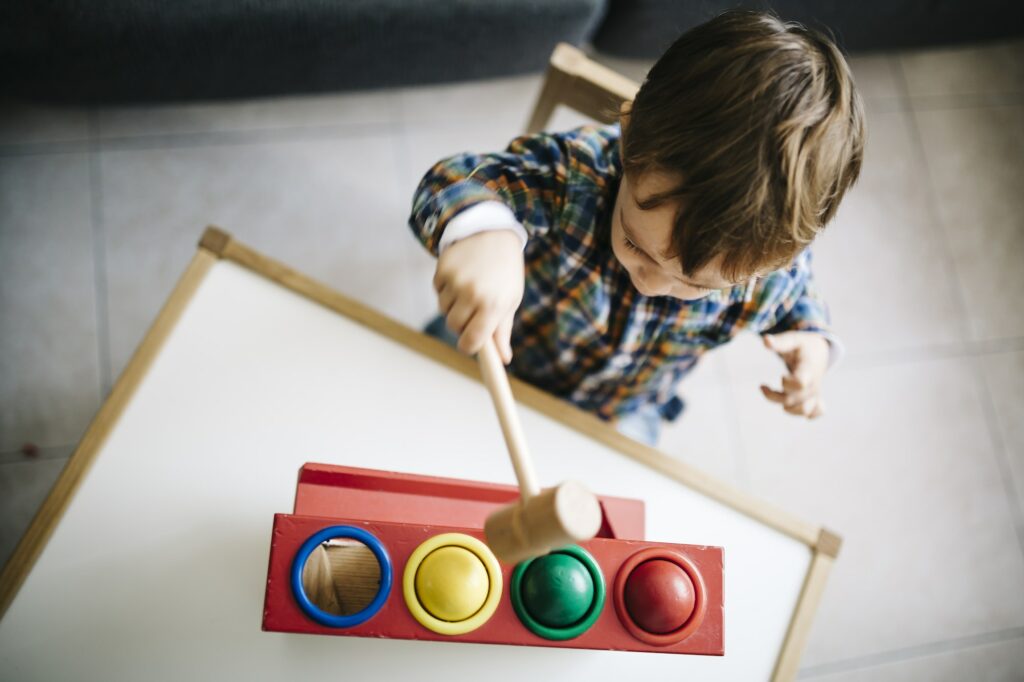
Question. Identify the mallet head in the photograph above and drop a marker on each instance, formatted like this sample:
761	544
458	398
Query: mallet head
554	518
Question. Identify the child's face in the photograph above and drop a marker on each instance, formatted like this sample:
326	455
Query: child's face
640	238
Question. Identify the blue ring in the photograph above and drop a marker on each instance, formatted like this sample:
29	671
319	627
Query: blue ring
314	611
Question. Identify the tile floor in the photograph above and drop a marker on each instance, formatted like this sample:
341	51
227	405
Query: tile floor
919	464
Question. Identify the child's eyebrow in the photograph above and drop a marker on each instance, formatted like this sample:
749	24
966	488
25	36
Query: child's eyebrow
629	236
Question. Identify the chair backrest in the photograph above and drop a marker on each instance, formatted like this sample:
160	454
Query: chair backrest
580	83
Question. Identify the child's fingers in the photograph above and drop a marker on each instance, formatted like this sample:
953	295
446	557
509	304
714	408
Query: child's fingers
804	373
445	300
801	409
503	339
459	315
818	411
811	407
796	390
479	329
773	395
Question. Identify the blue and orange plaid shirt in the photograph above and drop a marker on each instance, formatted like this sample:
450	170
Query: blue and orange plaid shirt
583	332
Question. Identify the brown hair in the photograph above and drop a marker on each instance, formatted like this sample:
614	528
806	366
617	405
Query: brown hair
761	120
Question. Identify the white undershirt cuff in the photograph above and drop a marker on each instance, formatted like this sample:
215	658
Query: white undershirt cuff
482	217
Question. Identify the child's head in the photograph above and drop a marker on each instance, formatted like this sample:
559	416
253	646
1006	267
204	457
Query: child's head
737	150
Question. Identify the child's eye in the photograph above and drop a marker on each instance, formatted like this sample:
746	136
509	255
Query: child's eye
630	245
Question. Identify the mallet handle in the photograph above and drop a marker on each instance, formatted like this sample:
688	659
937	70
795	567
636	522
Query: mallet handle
496	380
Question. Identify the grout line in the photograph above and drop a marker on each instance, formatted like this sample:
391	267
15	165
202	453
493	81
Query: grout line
227	138
193	139
1000	452
933	352
99	256
883	105
962	101
44	148
52	452
917	144
224	137
911	653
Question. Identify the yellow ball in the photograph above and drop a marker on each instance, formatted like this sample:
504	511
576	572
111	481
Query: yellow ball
452	583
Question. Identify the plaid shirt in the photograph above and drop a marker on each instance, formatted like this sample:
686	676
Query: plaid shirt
583	332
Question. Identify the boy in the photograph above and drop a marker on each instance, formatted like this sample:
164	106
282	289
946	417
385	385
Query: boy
612	258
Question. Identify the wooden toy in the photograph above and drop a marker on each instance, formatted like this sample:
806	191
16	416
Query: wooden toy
540	520
431	577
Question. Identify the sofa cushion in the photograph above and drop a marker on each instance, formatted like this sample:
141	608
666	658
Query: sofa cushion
645	28
139	50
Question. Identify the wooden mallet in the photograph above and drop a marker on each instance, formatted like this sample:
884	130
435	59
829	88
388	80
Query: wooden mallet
541	520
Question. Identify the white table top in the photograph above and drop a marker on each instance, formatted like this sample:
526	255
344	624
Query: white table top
157	569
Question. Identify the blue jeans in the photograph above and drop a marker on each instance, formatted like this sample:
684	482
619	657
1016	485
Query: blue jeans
643	425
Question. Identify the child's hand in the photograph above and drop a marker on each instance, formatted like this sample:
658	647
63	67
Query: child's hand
806	356
479	284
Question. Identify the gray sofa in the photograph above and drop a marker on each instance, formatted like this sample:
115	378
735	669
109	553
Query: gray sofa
158	50
644	28
145	50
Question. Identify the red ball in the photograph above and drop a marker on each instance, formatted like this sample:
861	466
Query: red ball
659	596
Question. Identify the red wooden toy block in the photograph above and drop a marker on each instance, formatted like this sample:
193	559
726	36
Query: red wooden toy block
657	597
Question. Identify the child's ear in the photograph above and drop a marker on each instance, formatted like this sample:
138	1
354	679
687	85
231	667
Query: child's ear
625	109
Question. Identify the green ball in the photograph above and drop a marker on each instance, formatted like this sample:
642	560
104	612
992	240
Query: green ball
557	590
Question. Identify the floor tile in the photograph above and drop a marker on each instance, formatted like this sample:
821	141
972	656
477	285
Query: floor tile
302	111
330	208
704	434
29	123
903	469
23	487
425	146
877	78
876	75
976	164
49	361
995	662
34	454
965	70
882	264
563	118
502	104
1004	380
419	275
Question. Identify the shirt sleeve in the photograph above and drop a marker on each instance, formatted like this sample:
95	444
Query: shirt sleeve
528	178
800	307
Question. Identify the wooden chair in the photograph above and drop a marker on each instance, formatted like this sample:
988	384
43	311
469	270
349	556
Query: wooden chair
580	83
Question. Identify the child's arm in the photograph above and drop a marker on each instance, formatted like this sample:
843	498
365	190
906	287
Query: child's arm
528	180
476	212
799	331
